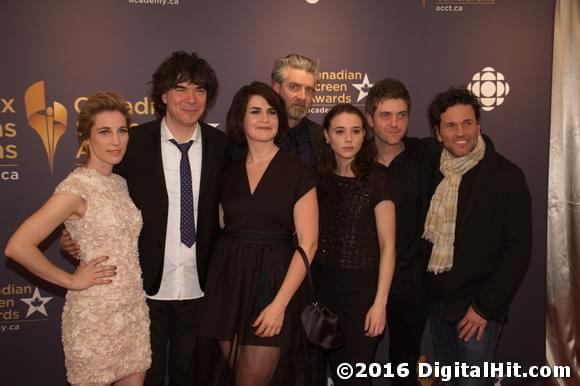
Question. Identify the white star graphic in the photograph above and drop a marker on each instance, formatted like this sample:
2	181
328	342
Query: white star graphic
363	88
33	305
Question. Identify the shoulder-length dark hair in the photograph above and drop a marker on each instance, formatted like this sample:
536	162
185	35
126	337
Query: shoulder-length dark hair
237	111
363	160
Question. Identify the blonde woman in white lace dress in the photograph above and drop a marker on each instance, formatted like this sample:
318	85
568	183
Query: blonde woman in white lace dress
105	322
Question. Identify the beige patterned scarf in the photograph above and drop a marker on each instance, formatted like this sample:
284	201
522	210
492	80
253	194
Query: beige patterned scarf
442	214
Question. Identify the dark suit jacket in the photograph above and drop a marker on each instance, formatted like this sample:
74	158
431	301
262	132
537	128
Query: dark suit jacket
492	240
315	131
142	167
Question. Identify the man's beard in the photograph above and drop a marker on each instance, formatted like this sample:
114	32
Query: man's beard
297	113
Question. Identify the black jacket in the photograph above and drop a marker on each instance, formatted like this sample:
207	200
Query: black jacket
493	237
143	169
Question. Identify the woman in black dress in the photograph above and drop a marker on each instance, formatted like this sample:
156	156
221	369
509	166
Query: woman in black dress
356	255
254	274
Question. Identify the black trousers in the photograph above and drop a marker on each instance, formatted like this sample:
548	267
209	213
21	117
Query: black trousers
350	294
174	325
406	318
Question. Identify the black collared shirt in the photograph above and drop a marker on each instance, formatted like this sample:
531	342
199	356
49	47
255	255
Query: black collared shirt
411	174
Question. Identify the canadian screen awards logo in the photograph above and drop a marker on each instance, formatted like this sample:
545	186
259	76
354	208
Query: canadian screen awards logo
340	86
490	87
21	303
49	122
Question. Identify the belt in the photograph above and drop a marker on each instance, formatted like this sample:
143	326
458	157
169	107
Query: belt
256	237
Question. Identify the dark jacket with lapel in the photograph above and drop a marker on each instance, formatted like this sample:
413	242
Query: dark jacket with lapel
492	240
315	131
142	167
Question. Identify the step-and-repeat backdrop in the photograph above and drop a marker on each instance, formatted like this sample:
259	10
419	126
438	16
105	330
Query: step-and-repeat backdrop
55	53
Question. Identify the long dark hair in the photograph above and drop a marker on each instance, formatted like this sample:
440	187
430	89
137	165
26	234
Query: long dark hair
364	159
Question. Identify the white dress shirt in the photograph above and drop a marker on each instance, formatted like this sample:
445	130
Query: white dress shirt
180	280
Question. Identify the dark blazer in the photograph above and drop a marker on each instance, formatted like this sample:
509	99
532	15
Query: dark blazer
142	167
315	131
493	237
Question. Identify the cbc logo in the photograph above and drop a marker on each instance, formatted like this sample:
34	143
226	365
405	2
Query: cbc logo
490	87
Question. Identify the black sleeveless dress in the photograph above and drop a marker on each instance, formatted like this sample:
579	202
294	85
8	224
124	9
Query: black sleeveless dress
251	258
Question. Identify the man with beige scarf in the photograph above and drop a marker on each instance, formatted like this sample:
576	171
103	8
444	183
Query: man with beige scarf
479	223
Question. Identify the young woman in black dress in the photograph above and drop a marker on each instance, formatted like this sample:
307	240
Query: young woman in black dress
267	198
356	254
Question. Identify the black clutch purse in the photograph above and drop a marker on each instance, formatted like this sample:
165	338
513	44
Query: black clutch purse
321	325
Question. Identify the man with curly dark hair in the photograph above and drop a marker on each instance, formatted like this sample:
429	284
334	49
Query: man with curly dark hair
180	222
479	222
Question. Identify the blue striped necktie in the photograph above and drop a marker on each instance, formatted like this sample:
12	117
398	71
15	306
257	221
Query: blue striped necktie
187	222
